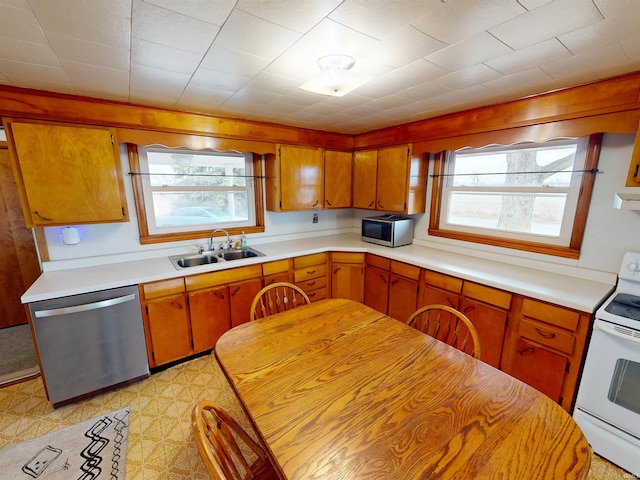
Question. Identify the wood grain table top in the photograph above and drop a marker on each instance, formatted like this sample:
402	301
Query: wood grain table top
338	390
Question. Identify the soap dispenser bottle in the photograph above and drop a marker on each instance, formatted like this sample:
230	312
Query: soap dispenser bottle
243	241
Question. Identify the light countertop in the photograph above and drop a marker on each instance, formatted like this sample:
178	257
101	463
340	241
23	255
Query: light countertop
580	294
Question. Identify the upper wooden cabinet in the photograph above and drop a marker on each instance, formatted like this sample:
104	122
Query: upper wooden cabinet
295	179
67	174
633	177
338	168
390	180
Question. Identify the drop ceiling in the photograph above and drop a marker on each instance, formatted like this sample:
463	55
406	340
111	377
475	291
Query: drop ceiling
248	58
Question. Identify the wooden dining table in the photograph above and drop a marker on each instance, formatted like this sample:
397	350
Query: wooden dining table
338	390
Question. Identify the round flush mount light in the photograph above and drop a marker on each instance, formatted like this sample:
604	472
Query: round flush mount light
336	76
336	62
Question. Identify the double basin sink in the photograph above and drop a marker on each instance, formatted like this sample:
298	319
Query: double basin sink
198	259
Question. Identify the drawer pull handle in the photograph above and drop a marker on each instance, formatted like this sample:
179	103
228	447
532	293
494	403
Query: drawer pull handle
310	272
469	308
310	284
380	205
545	334
328	202
370	203
527	351
176	304
218	294
233	294
42	217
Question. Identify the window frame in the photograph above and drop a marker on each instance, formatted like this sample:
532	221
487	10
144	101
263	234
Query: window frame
585	190
148	237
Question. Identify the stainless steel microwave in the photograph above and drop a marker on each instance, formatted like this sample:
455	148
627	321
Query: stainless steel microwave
388	230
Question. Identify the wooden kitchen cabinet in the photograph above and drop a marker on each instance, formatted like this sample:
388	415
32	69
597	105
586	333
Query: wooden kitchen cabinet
404	289
67	174
166	321
633	177
488	309
347	275
390	180
365	174
277	271
547	349
439	288
338	167
210	316
241	294
376	282
311	274
295	179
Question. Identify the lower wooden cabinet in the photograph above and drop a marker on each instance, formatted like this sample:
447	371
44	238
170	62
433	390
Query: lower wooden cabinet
210	316
376	282
404	289
311	274
347	276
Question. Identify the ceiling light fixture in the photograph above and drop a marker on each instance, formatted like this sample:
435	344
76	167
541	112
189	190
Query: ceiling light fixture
336	76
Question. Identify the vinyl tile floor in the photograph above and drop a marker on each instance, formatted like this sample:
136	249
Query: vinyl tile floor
161	444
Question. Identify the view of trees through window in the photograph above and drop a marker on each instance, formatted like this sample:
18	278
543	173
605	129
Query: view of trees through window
523	190
196	188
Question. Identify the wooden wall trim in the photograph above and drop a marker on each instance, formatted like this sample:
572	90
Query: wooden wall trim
35	104
619	95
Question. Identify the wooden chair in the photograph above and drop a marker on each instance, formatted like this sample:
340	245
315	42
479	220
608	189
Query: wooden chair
277	297
449	326
217	436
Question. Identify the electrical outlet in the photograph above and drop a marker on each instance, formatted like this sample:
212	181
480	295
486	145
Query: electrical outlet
315	218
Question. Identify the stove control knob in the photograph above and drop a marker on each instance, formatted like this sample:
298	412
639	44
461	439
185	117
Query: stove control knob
634	266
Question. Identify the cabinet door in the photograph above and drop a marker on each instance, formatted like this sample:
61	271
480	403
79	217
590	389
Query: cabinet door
539	368
170	330
491	324
337	179
302	177
393	177
277	277
365	167
432	295
241	295
68	174
376	289
347	281
403	297
210	317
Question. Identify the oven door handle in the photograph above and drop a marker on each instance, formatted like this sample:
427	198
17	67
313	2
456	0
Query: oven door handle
610	330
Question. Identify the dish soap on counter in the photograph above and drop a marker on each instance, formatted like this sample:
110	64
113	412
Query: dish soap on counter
243	241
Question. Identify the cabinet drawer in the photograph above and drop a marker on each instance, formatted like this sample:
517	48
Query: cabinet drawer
313	284
405	270
205	280
552	314
445	282
278	266
492	296
307	260
163	288
347	257
312	271
319	294
378	262
546	335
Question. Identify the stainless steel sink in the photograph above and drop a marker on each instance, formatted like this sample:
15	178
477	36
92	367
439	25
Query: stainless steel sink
198	259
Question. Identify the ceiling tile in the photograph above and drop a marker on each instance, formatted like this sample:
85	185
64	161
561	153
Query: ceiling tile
205	77
590	63
452	22
28	52
404	46
49	74
619	8
382	18
631	47
467	77
148	83
91	53
298	16
527	57
97	81
97	21
19	24
233	62
521	83
472	51
166	27
253	35
202	99
547	21
415	73
214	12
164	57
598	34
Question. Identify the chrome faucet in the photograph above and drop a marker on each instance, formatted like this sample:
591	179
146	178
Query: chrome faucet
211	246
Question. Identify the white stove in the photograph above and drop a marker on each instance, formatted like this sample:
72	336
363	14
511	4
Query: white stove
608	402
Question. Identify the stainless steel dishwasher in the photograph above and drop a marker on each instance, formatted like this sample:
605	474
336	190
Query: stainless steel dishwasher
90	342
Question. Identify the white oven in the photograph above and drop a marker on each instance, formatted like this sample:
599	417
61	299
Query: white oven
608	402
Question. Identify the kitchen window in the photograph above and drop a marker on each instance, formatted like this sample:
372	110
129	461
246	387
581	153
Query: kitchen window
182	193
529	196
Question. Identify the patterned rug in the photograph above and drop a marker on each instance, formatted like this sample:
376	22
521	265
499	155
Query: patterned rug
94	449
